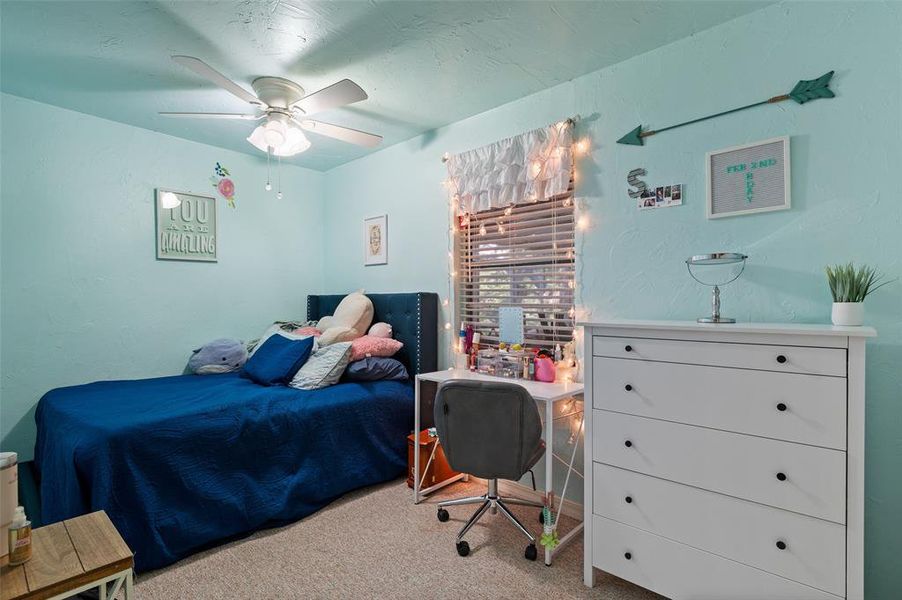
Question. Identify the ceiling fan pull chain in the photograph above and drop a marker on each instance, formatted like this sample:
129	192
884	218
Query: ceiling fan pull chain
268	186
279	193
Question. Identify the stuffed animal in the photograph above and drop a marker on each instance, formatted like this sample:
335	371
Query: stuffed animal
381	330
351	320
219	356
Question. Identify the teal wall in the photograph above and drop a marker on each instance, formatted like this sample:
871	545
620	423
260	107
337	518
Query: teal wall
83	297
847	205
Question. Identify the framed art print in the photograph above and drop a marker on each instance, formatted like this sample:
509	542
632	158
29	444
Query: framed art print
185	230
748	179
375	240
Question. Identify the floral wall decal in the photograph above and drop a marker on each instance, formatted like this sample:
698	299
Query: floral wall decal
222	181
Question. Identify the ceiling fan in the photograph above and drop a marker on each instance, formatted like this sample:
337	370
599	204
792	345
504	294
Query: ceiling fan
285	107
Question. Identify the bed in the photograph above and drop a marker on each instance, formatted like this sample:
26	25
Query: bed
183	463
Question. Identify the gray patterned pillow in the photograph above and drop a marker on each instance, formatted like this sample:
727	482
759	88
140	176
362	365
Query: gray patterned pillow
324	367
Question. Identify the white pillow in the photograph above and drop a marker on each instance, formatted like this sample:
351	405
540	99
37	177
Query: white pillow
324	367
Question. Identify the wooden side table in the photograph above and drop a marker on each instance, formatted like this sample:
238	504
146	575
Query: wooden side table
71	557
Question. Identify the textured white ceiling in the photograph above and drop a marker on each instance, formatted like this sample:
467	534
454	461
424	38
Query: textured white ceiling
423	64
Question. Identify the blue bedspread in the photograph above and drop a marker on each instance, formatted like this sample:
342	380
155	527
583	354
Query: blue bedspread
180	463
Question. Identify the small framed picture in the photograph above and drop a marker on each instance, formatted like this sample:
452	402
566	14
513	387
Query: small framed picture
747	179
375	231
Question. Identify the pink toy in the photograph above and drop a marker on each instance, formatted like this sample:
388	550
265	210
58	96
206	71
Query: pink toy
545	369
307	331
382	330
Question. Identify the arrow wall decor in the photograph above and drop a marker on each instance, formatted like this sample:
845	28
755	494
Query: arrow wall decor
803	91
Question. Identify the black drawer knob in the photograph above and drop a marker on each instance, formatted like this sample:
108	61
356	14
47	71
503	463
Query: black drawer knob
628	555
628	348
628	387
628	444
781	476
781	545
628	499
781	359
781	407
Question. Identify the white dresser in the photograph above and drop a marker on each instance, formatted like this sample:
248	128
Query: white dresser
726	461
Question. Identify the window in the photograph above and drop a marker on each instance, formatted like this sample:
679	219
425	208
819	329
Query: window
522	255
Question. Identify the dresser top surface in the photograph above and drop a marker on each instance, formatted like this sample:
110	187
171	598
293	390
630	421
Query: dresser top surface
764	328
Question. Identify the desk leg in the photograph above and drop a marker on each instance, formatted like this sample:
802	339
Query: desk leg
416	439
549	462
130	585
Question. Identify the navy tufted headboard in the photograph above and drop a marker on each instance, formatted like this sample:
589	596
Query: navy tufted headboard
413	317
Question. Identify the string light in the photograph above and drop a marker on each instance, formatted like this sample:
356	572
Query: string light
556	149
581	147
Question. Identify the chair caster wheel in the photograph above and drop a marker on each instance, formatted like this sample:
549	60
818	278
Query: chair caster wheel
463	548
531	552
443	515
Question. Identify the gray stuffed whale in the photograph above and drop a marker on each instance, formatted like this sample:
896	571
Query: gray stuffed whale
219	356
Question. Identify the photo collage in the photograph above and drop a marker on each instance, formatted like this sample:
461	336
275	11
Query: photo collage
661	197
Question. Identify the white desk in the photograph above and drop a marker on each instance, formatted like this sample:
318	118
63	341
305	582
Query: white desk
549	393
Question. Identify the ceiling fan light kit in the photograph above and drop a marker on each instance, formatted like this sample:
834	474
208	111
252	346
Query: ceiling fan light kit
286	108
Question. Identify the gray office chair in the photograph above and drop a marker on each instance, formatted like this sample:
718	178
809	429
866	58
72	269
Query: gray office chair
493	431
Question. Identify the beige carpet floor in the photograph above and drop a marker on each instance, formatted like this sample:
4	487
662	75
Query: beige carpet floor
374	543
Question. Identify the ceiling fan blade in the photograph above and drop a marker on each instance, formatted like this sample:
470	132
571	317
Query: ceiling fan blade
345	134
338	94
211	74
200	115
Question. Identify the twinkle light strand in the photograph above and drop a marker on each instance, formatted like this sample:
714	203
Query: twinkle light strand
538	166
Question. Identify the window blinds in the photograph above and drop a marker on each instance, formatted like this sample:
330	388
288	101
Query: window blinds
522	255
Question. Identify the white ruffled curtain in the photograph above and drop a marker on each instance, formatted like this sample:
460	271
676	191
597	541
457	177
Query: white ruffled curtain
529	167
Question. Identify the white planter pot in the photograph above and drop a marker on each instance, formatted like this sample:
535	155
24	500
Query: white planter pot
848	313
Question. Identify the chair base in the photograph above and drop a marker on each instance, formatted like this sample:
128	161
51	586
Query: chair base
490	501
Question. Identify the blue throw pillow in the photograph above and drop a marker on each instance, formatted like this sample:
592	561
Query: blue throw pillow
277	360
376	368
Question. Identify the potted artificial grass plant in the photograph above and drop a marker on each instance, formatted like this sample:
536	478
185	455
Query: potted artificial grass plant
850	285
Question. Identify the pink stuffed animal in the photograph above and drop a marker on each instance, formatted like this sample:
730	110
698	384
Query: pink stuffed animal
380	330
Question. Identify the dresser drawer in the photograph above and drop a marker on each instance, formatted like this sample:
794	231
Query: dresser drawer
797	477
813	406
787	359
685	573
747	532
